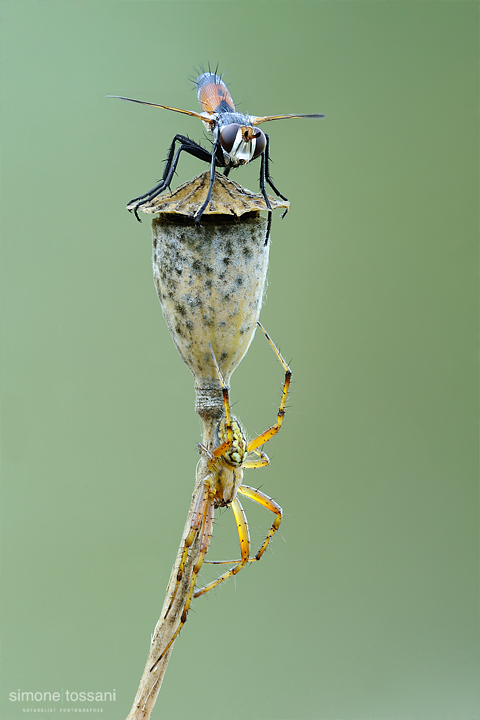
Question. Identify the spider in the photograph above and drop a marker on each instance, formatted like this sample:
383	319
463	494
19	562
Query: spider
225	464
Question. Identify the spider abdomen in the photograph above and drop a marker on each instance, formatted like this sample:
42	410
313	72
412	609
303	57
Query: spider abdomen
235	454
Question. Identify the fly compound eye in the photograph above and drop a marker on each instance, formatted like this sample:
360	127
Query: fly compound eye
261	141
228	135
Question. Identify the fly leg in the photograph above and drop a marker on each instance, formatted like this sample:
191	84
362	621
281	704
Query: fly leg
263	177
188	146
213	162
268	177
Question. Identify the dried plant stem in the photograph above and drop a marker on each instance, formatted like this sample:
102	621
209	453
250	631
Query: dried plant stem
151	681
165	629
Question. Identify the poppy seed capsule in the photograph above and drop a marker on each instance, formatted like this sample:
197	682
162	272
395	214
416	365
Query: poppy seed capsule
210	279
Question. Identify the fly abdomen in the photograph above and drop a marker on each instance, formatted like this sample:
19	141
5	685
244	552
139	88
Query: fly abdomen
213	95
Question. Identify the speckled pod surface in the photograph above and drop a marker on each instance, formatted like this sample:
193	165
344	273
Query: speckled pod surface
210	280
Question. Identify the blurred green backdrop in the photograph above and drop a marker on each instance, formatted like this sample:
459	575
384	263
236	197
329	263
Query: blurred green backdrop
366	607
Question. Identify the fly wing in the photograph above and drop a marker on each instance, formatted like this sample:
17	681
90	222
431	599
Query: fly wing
258	120
164	107
213	94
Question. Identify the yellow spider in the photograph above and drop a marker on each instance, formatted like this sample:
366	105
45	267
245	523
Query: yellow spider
226	464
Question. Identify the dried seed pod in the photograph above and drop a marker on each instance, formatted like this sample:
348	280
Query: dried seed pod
210	280
228	198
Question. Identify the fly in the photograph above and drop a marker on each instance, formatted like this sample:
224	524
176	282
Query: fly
236	141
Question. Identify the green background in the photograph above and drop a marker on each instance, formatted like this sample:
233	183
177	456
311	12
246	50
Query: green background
366	607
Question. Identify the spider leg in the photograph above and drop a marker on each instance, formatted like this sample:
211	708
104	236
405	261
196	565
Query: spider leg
244	537
268	503
221	449
263	462
268	434
271	505
187	145
207	525
198	517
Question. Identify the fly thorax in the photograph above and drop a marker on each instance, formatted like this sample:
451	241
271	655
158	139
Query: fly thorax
235	454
